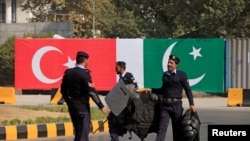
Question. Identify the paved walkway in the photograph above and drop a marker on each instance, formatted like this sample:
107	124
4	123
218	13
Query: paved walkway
202	104
45	100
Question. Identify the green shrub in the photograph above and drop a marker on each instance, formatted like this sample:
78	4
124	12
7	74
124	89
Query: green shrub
15	121
7	57
41	35
7	62
60	108
38	120
29	121
96	114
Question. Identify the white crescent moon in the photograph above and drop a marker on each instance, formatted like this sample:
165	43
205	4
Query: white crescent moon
36	64
166	55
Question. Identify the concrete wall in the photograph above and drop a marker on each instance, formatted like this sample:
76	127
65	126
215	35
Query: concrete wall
64	29
22	16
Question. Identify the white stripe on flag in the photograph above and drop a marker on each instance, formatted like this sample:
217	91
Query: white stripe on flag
131	51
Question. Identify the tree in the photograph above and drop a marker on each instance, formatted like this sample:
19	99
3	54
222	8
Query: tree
114	23
148	18
77	11
209	18
7	59
89	17
189	18
7	62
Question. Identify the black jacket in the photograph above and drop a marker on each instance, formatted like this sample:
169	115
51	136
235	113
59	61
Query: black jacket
173	85
77	87
128	78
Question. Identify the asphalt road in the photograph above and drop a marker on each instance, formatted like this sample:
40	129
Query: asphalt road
212	111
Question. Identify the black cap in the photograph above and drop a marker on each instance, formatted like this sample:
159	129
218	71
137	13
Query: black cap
175	59
121	63
82	54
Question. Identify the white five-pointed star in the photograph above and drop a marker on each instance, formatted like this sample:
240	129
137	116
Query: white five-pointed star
196	52
71	63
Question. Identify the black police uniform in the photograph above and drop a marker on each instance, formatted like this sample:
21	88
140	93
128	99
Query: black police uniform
117	123
171	106
76	89
128	78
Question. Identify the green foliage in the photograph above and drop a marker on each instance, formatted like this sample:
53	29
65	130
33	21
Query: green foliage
96	114
47	119
41	9
177	18
7	62
7	57
40	107
15	121
28	121
41	35
80	12
91	18
151	18
38	120
114	23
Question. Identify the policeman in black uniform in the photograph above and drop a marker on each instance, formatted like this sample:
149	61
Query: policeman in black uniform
117	123
76	88
173	82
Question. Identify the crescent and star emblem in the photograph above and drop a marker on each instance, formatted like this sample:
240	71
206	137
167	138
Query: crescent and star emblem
195	53
36	64
36	68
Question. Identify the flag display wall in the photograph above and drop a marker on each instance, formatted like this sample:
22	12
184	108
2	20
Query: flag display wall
45	61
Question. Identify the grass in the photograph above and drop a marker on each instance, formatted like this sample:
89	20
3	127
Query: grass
38	120
96	114
60	108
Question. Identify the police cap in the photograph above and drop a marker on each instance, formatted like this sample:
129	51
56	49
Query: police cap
121	64
175	59
82	54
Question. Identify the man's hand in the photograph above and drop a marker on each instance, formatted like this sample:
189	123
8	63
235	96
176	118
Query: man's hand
146	90
192	108
105	110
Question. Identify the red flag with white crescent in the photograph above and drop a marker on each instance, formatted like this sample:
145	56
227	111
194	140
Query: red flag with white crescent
40	63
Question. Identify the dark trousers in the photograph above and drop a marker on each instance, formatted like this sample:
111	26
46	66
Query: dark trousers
171	111
114	133
115	128
81	123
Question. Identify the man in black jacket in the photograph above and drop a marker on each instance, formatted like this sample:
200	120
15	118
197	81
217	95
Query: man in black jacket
76	88
117	123
173	83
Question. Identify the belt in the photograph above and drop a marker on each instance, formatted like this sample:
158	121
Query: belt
171	100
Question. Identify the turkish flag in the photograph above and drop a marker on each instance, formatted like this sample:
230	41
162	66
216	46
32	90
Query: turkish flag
40	63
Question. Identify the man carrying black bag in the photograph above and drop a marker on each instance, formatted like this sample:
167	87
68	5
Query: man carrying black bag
174	81
117	123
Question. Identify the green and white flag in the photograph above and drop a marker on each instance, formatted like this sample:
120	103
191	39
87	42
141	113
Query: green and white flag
201	59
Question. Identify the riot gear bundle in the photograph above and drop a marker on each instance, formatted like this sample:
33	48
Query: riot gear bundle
190	126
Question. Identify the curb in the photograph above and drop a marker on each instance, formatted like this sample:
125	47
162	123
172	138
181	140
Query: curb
33	131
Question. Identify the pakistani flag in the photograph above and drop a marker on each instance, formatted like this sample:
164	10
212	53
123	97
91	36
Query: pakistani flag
201	59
